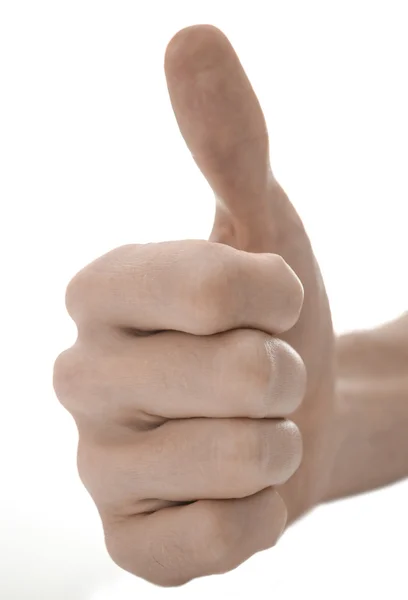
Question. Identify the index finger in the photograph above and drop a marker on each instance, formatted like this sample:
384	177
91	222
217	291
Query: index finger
192	286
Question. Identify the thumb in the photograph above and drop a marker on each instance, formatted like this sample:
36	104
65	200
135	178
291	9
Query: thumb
222	123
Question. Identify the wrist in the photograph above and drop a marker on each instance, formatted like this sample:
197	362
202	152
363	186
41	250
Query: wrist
371	412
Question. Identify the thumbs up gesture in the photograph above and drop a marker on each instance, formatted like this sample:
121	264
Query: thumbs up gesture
201	381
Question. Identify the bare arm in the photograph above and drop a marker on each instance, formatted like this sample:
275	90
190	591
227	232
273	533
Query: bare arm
372	424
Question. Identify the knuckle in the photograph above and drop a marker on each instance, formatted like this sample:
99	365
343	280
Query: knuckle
68	372
76	293
72	379
84	291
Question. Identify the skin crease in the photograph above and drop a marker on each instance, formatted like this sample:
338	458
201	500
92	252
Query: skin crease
213	403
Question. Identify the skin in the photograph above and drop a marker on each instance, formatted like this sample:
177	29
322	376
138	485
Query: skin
205	379
372	409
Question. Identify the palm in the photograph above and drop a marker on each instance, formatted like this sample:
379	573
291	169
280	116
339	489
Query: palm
223	125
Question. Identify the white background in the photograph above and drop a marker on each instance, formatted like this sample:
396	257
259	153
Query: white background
91	158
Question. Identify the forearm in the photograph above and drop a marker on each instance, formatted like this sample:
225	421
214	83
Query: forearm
371	429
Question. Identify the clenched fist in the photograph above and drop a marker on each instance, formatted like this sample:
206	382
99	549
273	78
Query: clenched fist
200	365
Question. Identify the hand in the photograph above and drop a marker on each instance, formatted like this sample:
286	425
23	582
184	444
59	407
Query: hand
178	384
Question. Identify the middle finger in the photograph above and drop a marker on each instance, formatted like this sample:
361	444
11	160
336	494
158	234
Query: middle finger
172	375
192	459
